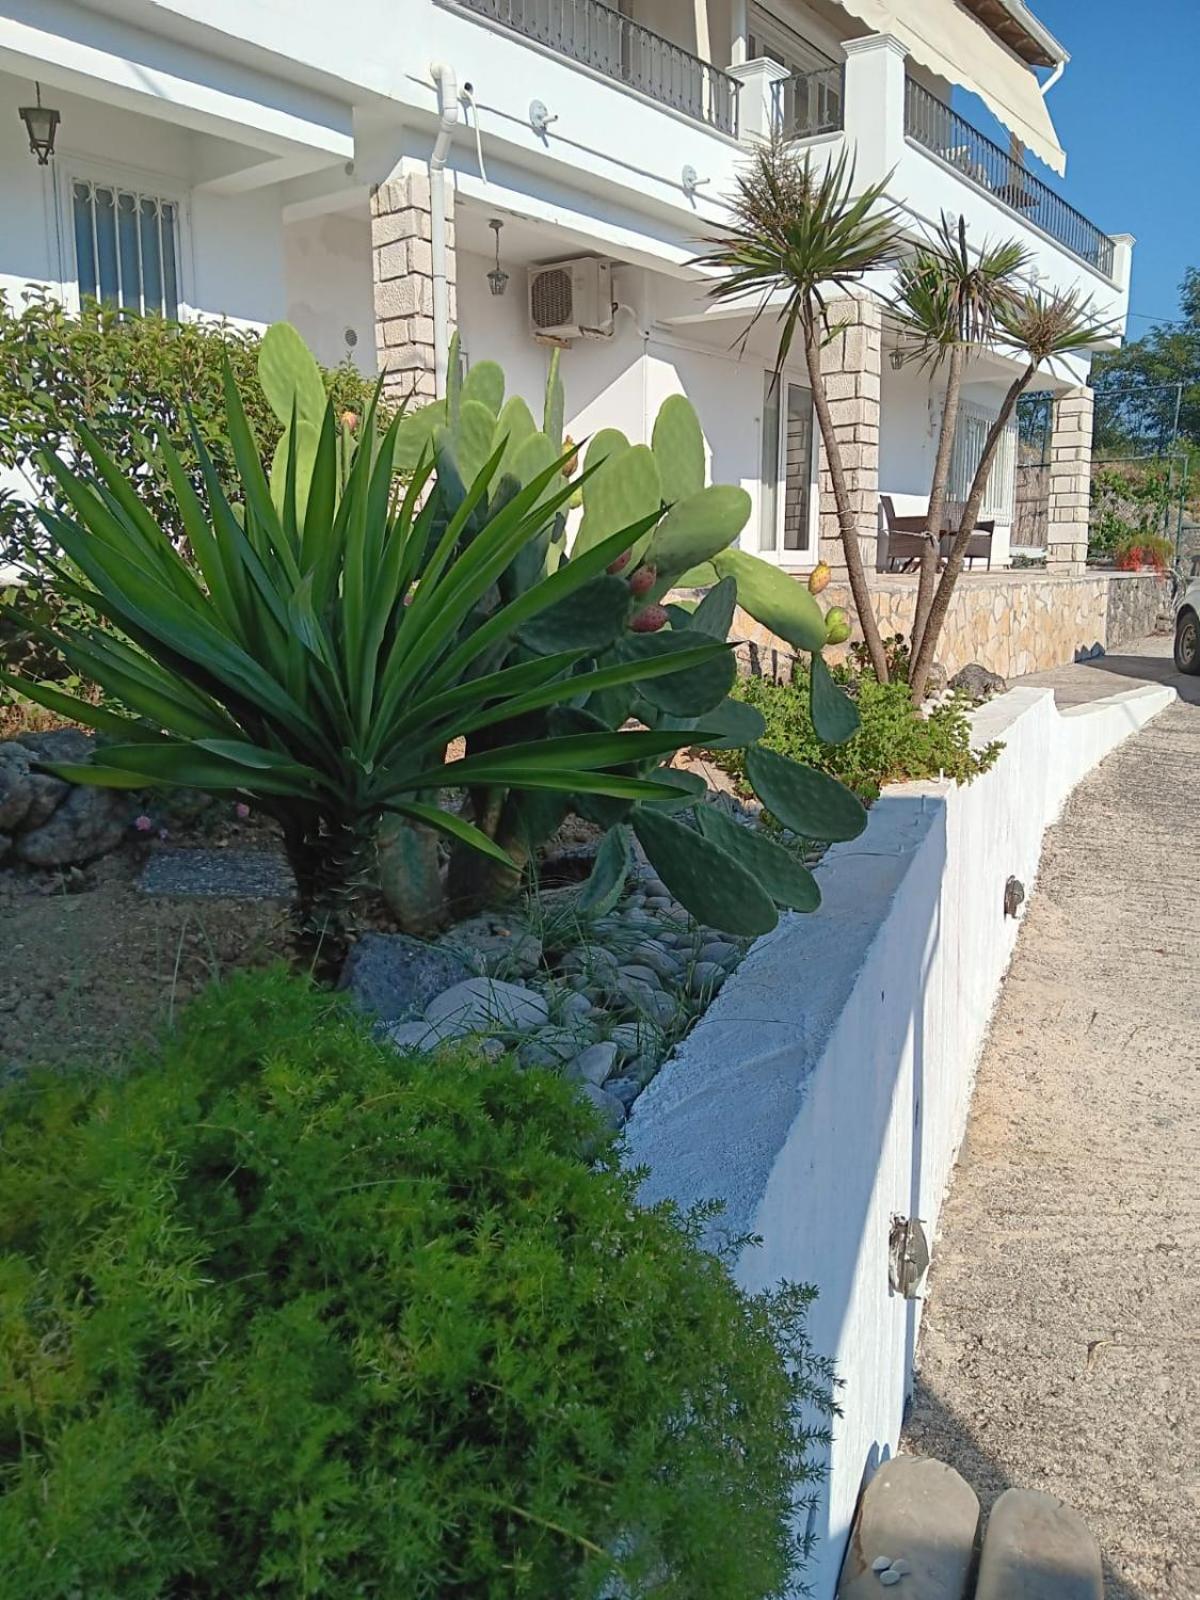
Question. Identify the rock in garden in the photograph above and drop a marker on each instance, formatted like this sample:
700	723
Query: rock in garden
707	977
500	945
60	744
977	682
489	1003
87	824
662	1009
48	794
394	977
577	1006
599	964
720	952
631	1038
16	790
595	1063
654	954
609	1107
632	973
626	1090
5	845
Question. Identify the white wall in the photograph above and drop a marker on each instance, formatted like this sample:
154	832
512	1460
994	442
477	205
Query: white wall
233	244
827	1088
327	268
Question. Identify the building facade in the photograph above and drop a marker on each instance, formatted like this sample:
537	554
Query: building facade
253	160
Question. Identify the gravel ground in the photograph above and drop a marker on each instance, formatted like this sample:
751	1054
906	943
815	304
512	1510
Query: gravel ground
1061	1344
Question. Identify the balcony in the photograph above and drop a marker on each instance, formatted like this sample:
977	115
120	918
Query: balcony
930	123
598	36
809	103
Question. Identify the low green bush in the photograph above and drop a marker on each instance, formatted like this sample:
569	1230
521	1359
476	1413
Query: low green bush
127	378
285	1314
895	743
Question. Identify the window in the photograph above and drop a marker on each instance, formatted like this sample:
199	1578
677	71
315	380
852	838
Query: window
970	436
785	526
126	246
809	106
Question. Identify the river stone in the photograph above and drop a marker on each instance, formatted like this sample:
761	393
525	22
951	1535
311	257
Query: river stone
394	977
638	974
489	1003
595	1063
707	977
5	845
89	823
719	951
662	1009
420	1035
654	954
498	943
626	1090
609	1107
593	960
632	1037
577	1005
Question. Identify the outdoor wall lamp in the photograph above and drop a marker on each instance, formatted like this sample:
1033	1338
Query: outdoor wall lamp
497	278
41	123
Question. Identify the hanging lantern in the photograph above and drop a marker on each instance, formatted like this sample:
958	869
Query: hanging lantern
497	278
41	124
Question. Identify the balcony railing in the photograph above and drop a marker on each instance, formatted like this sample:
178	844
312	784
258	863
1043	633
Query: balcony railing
931	124
598	36
809	103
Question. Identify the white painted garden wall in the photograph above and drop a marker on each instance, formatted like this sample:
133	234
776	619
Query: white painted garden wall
827	1088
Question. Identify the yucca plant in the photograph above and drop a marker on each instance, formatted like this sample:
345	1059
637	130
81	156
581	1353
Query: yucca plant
800	229
1039	329
947	301
311	654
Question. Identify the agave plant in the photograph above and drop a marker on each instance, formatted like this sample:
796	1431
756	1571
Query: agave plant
313	656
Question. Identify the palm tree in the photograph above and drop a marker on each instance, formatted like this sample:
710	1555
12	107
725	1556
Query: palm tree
1040	328
946	303
802	232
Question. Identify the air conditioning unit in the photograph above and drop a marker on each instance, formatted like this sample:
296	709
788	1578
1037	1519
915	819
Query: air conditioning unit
570	299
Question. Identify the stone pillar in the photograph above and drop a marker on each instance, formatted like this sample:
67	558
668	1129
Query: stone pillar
758	99
402	273
851	362
1070	481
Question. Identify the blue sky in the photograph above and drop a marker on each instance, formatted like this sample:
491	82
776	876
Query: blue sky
1127	111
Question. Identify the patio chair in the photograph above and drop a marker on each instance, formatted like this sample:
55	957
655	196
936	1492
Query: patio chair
979	545
901	539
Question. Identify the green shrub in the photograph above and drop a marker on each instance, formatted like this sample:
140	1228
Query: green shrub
894	743
284	1314
126	376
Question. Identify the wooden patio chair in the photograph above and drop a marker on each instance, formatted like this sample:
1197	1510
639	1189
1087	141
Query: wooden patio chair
901	539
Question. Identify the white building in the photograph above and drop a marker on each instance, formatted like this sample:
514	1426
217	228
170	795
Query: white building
260	159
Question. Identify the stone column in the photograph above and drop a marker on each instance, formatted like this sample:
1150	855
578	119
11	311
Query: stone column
402	273
758	101
850	363
873	109
1070	481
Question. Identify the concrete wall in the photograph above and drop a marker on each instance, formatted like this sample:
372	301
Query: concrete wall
327	267
827	1088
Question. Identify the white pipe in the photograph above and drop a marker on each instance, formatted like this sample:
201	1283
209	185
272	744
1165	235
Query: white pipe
447	91
1046	87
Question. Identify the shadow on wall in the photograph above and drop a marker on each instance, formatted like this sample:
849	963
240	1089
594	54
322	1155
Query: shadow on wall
936	1430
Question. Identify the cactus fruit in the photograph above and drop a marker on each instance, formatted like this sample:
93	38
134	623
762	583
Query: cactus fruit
648	620
642	580
620	563
818	578
837	625
571	464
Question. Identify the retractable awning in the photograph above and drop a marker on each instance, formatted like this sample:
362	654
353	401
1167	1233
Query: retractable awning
957	46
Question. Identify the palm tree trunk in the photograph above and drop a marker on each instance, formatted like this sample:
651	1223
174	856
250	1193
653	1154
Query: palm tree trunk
937	499
847	524
945	589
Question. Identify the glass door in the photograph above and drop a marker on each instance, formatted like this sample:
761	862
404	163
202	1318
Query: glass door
787	523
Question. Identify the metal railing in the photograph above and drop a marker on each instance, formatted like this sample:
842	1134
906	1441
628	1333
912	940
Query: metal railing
808	103
931	124
598	36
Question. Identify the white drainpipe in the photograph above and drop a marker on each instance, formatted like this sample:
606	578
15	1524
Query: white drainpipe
447	90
